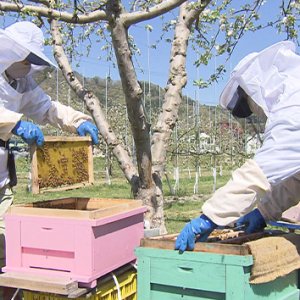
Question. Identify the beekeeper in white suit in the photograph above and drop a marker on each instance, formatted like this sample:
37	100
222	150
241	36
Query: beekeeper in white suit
21	57
265	84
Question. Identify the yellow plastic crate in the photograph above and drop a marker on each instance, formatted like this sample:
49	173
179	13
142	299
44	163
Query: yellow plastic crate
104	291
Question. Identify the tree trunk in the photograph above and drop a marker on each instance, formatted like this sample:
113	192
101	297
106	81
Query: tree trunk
145	187
173	97
177	81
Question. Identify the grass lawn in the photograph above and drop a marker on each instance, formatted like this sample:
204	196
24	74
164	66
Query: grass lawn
179	207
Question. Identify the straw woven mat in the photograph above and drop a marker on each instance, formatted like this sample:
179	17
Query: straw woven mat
274	257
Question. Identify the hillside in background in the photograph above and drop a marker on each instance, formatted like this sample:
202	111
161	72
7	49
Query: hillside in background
111	96
201	130
108	91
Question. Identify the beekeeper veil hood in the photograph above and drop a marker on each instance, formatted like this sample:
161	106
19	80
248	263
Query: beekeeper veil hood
263	76
20	41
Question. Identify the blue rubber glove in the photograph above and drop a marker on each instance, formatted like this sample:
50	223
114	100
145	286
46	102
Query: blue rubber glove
89	128
29	132
253	221
186	239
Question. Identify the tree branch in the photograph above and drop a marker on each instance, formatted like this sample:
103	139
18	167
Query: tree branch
53	13
155	11
177	81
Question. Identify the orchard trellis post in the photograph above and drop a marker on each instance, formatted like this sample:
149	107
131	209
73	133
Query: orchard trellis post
107	154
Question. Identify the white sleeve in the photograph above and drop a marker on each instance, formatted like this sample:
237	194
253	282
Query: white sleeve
65	117
8	120
280	198
35	105
41	109
239	196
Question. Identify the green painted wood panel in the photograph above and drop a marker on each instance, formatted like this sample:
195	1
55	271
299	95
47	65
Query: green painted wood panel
162	292
240	260
190	274
236	279
143	278
167	275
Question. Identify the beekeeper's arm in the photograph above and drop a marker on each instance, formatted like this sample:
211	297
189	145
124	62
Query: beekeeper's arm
239	196
71	120
10	123
44	111
41	110
235	199
271	201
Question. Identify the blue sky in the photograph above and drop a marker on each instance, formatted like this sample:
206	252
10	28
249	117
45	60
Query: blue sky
153	64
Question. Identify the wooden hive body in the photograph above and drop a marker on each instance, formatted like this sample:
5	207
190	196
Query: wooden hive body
77	238
212	271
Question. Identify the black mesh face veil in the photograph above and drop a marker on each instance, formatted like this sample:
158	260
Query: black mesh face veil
238	104
36	60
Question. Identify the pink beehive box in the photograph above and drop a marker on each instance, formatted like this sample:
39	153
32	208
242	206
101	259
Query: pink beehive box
77	238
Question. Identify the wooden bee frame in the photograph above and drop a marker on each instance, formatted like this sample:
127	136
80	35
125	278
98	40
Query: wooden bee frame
62	163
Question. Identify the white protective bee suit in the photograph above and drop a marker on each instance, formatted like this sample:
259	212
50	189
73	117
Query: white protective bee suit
28	99
271	180
20	41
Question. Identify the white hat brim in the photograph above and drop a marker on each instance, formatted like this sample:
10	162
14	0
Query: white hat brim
36	51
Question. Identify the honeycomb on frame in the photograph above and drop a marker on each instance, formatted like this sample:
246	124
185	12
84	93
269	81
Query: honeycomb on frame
62	163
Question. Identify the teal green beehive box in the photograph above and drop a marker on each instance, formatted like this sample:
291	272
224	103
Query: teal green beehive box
164	274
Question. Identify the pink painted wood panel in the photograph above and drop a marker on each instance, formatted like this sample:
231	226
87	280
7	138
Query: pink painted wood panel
80	249
47	259
47	234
